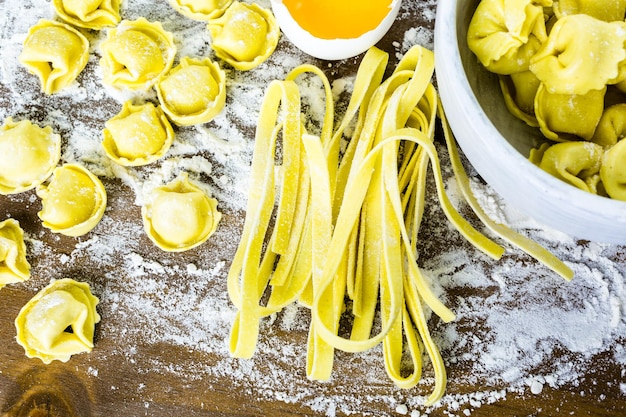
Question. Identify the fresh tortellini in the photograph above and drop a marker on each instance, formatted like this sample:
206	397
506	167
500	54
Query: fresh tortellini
520	90
504	35
612	126
89	14
613	171
14	266
564	117
245	36
193	92
581	54
58	322
56	53
136	54
28	154
180	215
73	201
137	135
607	10
201	9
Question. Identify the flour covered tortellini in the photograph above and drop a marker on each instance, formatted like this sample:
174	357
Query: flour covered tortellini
180	215
505	34
193	92
577	163
607	10
137	135
89	14
613	171
136	54
14	266
28	154
565	117
581	54
201	9
58	322
73	201
56	53
245	36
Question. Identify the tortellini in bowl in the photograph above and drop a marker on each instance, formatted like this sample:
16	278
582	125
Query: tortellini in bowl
193	92
137	135
58	322
28	155
73	201
179	215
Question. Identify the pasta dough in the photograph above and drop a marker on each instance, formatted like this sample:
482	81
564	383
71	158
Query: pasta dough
137	135
43	324
193	92
245	36
136	54
56	53
73	202
89	14
180	215
14	266
28	154
201	9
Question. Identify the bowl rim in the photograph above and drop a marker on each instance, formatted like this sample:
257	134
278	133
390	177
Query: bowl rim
459	99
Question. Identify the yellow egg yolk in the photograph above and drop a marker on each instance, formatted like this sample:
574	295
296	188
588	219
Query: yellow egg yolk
338	19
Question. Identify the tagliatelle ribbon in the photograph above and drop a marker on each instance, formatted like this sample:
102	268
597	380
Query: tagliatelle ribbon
345	234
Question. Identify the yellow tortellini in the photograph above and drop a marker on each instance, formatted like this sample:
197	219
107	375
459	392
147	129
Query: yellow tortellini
28	154
137	135
613	171
581	54
136	54
56	53
180	215
577	163
505	34
520	90
58	322
607	10
14	266
89	14
612	126
245	36
193	92
73	202
564	117
201	9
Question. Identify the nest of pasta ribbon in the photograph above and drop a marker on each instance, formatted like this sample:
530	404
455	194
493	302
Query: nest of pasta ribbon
346	223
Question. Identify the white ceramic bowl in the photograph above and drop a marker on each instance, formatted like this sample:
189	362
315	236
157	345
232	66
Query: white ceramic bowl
497	144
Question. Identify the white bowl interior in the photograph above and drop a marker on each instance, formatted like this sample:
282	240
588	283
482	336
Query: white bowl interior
498	144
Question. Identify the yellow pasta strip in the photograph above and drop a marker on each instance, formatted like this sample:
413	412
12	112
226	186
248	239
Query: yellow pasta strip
527	245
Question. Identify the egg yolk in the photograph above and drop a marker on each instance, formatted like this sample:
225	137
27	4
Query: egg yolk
338	19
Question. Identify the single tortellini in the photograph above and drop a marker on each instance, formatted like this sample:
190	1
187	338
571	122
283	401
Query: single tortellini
564	117
89	14
56	53
73	202
613	171
607	10
136	54
577	163
201	9
612	126
504	34
137	135
58	322
28	154
193	92
581	54
180	215
519	90
14	266
245	36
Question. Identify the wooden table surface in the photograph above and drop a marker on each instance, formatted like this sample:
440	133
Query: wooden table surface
149	362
